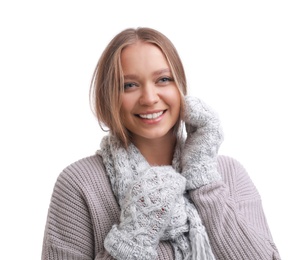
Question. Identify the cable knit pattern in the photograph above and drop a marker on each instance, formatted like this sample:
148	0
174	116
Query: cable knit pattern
145	214
153	207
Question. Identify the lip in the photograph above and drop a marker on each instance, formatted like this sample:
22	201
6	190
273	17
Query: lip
151	120
151	111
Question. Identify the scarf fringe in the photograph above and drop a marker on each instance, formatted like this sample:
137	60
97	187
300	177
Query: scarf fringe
201	248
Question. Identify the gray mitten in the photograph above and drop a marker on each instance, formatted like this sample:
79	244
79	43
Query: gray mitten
146	213
204	136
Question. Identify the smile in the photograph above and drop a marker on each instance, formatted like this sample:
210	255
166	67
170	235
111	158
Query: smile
151	116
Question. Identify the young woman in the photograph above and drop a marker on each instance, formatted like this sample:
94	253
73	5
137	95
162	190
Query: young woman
155	189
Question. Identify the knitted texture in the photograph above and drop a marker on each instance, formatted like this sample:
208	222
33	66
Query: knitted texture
204	137
145	213
83	209
153	207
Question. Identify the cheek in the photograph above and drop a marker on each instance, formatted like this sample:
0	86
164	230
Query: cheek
174	99
126	104
123	110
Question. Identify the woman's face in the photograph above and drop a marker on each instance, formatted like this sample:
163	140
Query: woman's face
151	100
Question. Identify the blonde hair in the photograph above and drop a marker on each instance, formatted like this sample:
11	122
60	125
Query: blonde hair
108	80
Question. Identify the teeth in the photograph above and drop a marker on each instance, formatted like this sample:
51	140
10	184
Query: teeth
151	116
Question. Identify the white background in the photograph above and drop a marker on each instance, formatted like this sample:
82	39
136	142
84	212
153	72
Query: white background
244	58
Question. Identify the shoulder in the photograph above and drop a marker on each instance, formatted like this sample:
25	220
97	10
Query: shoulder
91	166
236	177
82	209
228	162
228	167
87	164
86	182
83	176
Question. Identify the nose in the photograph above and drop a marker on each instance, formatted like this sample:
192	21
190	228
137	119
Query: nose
149	95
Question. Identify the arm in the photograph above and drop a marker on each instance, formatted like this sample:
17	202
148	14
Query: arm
235	220
68	232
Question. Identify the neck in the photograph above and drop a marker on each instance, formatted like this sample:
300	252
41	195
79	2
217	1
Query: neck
157	151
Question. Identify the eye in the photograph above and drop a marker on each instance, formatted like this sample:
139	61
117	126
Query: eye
129	85
165	79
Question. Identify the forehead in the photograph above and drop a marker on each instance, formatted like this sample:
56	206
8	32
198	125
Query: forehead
140	48
142	54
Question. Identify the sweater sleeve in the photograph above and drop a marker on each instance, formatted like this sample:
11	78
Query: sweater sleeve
232	212
68	231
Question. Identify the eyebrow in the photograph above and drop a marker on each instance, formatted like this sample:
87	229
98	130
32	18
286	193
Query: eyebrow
159	72
156	73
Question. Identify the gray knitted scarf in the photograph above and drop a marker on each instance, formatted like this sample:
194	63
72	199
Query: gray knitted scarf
154	206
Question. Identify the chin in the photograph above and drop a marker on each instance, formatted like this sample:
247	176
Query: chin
159	135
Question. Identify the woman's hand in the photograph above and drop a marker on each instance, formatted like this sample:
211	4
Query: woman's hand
146	214
204	136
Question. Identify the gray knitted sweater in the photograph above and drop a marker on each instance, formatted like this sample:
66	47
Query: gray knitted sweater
83	209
